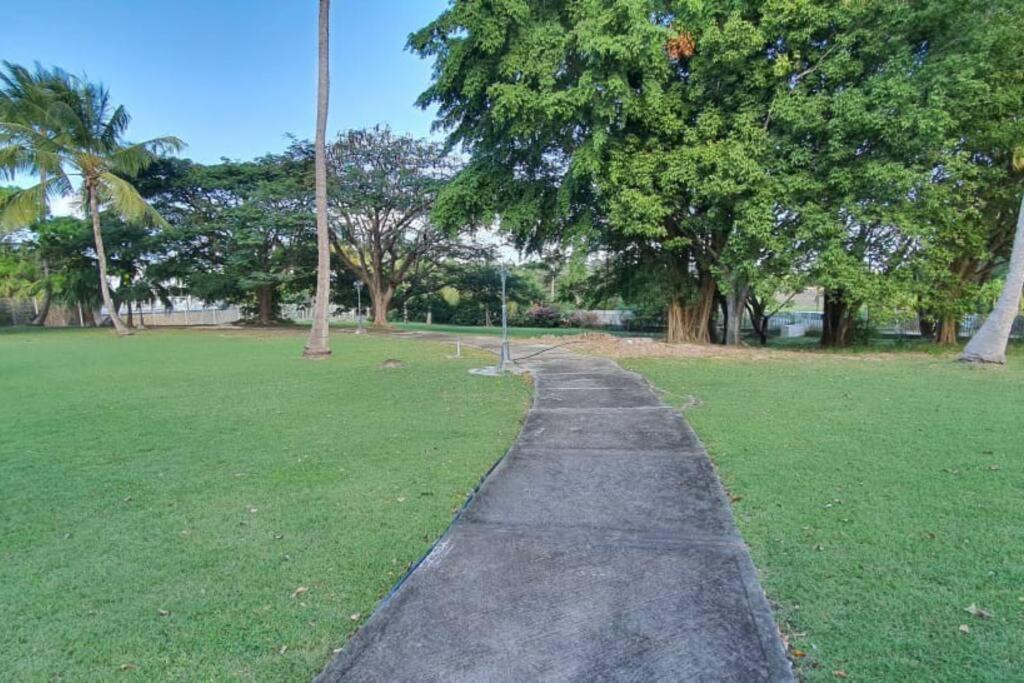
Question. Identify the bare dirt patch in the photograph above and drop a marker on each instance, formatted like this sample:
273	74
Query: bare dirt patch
611	346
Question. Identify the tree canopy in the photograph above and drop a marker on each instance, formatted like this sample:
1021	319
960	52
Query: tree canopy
732	141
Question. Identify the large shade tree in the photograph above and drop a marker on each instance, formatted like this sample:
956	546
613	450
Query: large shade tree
381	190
717	136
242	232
72	139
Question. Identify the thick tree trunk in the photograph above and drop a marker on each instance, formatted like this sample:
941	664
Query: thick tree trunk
318	345
734	305
988	345
380	299
131	318
265	299
101	258
837	322
142	322
689	319
945	334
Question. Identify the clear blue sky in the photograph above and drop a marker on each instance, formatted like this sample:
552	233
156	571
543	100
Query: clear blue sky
231	77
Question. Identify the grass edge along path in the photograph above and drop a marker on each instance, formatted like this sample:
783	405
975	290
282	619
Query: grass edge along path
880	498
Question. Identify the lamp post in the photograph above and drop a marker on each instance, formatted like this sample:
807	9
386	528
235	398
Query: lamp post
505	357
359	307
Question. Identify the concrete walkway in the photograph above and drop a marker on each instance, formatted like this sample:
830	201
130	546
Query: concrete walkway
600	548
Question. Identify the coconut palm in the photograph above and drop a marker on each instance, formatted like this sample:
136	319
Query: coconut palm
24	97
73	130
25	101
318	344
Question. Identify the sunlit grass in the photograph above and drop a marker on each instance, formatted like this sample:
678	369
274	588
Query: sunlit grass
880	496
164	497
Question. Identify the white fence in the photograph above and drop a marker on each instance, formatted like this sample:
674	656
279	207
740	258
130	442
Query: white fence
185	311
212	315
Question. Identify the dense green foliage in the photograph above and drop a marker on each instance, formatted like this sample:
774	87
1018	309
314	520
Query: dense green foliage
880	498
381	189
721	148
159	513
243	232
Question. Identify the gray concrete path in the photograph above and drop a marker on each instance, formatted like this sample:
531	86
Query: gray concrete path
600	548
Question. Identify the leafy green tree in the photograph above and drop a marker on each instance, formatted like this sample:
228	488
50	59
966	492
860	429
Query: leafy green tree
381	189
77	132
66	244
718	137
243	232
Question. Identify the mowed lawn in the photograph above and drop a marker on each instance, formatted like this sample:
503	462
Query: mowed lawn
206	505
881	497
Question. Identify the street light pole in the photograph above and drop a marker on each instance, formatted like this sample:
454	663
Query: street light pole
359	307
505	357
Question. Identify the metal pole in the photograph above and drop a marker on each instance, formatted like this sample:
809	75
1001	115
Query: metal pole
359	307
505	356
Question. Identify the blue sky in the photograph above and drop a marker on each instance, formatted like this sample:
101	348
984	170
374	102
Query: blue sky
231	77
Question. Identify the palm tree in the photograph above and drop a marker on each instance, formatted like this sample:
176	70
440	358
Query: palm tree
73	130
318	344
25	101
24	97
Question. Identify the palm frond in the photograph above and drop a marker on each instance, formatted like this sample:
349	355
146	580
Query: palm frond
115	127
125	200
22	208
134	158
15	159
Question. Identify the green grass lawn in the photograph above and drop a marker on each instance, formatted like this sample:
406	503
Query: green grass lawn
880	496
164	497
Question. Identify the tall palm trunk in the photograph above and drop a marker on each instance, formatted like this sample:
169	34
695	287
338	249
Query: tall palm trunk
44	310
989	344
318	344
101	258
